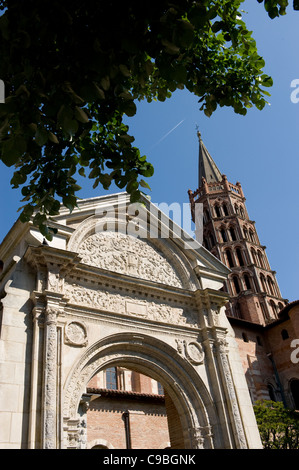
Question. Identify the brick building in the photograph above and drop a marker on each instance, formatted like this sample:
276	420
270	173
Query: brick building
265	324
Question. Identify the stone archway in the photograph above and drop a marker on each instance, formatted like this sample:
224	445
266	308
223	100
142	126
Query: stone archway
146	354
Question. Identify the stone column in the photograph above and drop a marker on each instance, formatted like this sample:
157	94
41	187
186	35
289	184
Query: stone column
49	424
201	437
34	408
221	353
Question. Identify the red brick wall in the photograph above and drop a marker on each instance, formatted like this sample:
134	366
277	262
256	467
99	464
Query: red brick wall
256	364
148	423
174	423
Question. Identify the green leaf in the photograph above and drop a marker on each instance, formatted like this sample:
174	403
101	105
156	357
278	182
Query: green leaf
105	83
185	33
17	179
105	180
170	48
41	136
124	70
144	184
267	81
70	126
81	115
26	214
13	149
129	108
69	201
52	137
132	186
147	170
135	196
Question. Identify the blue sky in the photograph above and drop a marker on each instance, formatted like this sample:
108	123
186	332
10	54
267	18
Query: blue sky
260	150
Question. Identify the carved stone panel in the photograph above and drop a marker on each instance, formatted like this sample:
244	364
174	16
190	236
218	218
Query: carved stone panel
130	255
112	301
76	334
192	351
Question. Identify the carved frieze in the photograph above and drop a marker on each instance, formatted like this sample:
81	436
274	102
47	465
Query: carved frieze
130	255
106	300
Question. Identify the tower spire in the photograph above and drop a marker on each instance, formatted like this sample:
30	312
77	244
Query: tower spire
207	168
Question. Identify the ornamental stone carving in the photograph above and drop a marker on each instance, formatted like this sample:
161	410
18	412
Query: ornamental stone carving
114	302
75	334
192	351
130	255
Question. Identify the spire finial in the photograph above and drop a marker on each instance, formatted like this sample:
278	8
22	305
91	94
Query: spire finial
198	133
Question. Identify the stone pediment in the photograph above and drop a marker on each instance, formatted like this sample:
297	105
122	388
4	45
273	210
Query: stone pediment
126	254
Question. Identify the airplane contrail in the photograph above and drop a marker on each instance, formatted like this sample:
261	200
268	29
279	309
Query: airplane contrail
169	132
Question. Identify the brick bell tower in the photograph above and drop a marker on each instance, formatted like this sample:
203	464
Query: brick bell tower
230	234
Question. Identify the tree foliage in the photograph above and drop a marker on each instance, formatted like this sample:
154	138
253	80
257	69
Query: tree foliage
278	426
72	70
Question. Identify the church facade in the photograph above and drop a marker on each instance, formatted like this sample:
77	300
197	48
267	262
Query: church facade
112	297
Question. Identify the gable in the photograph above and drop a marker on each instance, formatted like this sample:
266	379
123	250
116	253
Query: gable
129	255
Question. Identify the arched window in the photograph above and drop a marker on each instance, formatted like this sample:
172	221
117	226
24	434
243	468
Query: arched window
270	284
217	210
245	231
236	209
273	306
253	256
240	257
247	281
294	387
263	282
280	306
223	235
229	258
242	213
284	334
251	236
232	233
224	207
265	310
236	284
261	259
